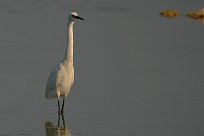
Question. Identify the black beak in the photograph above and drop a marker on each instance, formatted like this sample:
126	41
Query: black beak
77	17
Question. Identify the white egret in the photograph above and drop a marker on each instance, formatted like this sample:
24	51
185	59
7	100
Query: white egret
62	76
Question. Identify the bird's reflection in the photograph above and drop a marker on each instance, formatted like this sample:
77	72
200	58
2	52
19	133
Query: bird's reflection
57	130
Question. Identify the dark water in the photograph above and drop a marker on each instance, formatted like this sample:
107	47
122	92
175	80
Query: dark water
137	73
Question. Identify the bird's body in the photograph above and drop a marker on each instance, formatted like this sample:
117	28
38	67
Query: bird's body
60	80
62	76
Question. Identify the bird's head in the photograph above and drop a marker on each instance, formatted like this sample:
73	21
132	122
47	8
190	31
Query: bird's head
73	16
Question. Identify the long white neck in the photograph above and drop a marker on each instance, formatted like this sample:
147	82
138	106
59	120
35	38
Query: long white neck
68	58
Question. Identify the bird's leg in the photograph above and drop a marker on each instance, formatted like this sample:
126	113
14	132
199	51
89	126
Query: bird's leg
62	110
63	121
58	123
58	106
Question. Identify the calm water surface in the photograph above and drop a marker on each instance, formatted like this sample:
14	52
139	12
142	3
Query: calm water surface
137	73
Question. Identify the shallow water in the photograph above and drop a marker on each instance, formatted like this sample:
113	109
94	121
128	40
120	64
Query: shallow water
137	73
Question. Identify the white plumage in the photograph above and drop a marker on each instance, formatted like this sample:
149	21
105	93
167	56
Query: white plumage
62	76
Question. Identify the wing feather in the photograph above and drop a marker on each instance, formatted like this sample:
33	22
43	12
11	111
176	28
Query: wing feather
54	80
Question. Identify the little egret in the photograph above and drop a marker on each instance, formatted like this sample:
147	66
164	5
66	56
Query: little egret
62	76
